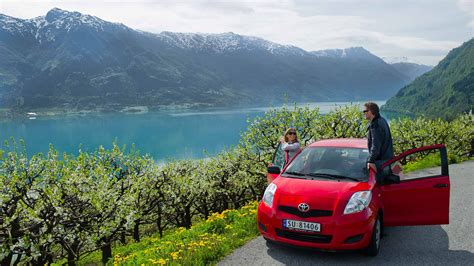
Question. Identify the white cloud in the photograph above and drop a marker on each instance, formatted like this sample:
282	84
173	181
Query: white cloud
420	30
466	5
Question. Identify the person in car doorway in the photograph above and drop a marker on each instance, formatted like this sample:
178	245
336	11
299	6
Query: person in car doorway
378	136
290	143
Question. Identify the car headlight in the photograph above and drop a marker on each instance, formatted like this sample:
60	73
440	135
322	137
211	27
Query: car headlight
269	194
358	202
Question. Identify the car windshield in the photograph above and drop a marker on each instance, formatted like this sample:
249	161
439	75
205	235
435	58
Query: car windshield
330	163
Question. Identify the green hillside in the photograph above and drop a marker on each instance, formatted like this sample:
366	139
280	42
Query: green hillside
444	92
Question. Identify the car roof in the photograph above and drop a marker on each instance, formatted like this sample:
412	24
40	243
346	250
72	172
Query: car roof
342	143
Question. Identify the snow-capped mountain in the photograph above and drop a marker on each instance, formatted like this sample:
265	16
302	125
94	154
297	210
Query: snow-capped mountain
397	59
226	42
353	53
76	61
55	23
17	26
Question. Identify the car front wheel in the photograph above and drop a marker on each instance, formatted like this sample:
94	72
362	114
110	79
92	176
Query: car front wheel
374	246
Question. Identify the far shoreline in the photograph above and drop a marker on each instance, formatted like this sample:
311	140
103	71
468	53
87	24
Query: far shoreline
7	114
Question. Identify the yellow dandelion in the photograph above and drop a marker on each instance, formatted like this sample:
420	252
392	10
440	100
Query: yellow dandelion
174	255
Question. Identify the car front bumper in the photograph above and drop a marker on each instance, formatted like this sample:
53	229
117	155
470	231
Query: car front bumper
338	232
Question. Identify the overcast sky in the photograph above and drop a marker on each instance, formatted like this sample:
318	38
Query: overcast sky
422	30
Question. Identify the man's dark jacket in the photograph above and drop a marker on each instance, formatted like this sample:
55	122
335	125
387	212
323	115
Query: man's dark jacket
380	140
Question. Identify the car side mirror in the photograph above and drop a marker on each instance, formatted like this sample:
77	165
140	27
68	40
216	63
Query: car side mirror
273	170
392	179
387	177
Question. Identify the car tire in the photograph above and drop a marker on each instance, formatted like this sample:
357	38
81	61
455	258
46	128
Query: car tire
374	246
270	243
268	240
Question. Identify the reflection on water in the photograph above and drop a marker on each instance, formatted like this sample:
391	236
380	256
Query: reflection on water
164	135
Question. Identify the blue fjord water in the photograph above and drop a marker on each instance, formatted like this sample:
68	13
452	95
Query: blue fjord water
163	135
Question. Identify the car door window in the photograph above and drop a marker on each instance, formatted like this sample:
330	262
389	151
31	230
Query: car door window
419	164
279	157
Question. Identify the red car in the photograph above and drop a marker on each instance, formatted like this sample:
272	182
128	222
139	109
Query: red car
325	197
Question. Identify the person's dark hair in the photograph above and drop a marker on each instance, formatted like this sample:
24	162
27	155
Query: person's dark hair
373	108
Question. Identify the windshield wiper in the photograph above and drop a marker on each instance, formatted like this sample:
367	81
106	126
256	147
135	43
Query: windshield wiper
294	173
331	176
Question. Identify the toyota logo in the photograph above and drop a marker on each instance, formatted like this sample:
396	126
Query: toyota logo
303	207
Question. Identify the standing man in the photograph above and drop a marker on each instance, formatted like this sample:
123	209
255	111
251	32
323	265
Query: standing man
379	136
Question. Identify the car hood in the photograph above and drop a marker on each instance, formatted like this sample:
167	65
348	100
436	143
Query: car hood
326	193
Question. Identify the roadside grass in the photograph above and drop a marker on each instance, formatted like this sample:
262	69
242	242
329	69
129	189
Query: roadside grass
204	243
428	161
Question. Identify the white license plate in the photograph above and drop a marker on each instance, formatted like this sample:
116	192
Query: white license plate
302	226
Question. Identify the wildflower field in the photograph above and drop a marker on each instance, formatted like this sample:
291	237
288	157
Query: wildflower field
204	243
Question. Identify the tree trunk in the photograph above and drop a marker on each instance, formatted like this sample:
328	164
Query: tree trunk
206	212
158	225
7	260
42	259
106	253
225	203
471	152
15	233
187	217
123	236
71	254
159	222
71	258
136	231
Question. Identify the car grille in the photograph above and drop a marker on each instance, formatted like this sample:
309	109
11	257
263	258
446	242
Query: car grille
310	213
313	238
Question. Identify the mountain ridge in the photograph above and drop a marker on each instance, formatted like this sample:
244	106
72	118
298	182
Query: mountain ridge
411	70
69	60
445	91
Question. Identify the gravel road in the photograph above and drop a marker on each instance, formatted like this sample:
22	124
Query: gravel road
451	244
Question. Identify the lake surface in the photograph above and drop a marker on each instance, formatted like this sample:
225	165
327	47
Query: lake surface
163	135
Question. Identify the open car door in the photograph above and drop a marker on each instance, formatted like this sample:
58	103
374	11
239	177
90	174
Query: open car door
421	196
279	160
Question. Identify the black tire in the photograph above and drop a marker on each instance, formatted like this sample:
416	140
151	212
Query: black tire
374	246
270	243
269	240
